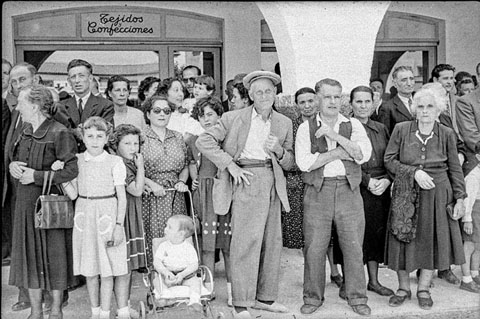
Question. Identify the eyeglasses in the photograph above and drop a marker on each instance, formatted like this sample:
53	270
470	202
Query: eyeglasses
191	79
159	110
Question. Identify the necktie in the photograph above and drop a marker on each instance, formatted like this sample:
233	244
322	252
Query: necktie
410	102
80	106
448	106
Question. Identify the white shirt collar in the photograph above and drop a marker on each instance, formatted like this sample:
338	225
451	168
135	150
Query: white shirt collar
4	94
98	158
405	100
255	114
340	118
84	99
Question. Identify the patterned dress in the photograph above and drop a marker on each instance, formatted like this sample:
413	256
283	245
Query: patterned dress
163	163
136	257
292	222
216	229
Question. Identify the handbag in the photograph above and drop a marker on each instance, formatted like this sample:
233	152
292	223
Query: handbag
53	211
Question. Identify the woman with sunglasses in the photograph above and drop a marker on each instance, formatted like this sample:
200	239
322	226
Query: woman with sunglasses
165	156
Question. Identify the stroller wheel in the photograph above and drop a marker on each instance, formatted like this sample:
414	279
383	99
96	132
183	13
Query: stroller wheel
142	310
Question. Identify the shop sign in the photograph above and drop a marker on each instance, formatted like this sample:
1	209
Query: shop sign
120	24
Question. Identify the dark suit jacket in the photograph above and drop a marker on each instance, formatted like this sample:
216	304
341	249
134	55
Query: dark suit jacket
95	106
392	112
225	142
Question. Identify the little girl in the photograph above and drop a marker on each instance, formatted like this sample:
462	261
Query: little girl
216	229
125	141
99	246
471	231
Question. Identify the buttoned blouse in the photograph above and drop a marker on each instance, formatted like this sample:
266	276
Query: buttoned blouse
435	154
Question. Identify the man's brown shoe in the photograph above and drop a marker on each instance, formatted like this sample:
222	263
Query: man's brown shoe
308	309
362	310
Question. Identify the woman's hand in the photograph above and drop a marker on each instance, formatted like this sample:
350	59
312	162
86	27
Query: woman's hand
458	209
424	180
27	176
57	165
118	235
468	228
181	186
379	186
195	184
16	169
158	190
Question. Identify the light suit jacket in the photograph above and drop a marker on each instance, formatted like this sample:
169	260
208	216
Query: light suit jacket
468	120
225	142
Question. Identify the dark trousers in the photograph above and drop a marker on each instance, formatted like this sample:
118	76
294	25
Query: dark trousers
338	203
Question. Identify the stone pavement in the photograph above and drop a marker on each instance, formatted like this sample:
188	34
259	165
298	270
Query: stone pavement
449	301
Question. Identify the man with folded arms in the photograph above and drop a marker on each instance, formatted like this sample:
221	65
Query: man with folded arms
329	150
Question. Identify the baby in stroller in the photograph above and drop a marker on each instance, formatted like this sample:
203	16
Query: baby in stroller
176	261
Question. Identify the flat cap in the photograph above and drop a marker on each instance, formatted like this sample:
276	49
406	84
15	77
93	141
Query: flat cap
256	75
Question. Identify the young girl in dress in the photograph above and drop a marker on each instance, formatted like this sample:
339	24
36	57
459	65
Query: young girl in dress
125	141
99	246
216	229
471	231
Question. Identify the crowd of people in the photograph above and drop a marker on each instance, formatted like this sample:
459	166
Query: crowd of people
394	181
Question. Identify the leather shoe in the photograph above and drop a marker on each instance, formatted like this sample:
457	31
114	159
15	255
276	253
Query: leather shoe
362	310
448	276
471	286
425	303
21	305
274	307
308	309
477	280
381	290
398	300
337	280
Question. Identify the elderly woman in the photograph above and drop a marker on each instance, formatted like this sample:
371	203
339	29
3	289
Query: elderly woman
118	91
41	259
165	158
427	199
147	88
240	98
175	92
374	188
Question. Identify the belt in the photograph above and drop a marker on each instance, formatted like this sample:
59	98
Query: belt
335	178
254	163
96	197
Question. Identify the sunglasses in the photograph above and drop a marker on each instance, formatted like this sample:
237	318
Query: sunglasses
191	79
158	110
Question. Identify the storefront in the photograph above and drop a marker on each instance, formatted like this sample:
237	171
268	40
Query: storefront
226	38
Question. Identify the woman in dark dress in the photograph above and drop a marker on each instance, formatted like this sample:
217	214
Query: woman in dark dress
422	156
41	259
374	188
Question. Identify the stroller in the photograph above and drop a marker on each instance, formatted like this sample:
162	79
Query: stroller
177	294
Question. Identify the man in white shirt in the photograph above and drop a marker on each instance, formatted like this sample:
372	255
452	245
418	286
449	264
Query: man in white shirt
329	150
251	147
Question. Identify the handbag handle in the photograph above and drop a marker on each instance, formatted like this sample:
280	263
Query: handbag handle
47	182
